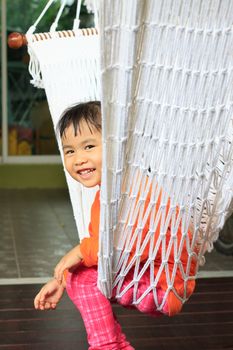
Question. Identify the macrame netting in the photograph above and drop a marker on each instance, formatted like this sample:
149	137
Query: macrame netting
166	91
167	75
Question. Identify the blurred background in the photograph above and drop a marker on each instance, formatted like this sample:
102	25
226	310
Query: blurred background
37	224
26	115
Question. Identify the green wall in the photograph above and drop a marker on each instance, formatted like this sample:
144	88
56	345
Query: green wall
32	176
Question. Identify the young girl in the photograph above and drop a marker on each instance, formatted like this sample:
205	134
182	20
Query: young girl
80	131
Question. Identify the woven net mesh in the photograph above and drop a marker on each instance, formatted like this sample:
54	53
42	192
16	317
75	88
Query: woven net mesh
166	192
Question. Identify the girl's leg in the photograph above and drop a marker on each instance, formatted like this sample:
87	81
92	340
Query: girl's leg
122	342
103	331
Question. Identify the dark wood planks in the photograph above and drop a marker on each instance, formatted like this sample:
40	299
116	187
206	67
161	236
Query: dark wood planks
206	322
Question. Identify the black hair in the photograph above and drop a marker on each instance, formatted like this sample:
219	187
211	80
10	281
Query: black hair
90	112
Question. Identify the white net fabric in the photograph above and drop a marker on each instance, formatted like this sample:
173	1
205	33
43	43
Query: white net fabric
167	184
66	65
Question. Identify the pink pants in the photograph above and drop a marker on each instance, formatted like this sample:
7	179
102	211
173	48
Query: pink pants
102	327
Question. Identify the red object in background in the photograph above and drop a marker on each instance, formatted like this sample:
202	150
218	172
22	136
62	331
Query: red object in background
16	40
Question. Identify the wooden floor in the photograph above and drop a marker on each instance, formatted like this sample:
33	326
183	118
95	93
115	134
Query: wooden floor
205	323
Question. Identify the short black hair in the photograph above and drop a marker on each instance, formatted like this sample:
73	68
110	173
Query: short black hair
90	112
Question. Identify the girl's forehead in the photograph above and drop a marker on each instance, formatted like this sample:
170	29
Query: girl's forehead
85	127
81	130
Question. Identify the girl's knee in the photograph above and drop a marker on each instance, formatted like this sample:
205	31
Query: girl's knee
127	298
81	281
147	304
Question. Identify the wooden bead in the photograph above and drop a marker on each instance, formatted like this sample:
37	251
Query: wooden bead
16	40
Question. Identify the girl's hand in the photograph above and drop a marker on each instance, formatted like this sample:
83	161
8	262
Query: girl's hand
71	260
49	295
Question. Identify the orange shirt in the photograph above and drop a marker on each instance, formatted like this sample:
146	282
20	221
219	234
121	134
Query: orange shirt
89	249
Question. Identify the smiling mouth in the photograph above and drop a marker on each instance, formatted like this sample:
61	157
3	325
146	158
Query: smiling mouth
85	173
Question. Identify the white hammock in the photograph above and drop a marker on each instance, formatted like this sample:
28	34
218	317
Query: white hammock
166	82
66	65
168	107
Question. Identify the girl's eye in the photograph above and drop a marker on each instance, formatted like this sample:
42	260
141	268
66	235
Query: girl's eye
69	151
89	146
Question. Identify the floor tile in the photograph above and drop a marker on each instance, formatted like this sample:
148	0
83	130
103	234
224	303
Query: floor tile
38	228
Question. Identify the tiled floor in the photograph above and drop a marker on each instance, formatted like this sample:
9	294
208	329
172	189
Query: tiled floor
37	228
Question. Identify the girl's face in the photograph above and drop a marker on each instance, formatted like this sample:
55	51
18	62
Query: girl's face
83	154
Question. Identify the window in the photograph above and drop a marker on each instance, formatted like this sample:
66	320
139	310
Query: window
26	128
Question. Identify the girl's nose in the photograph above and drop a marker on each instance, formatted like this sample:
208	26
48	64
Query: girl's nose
80	159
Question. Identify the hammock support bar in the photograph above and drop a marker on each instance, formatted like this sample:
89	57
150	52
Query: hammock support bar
17	40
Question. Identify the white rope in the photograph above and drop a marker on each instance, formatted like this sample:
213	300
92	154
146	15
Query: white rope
55	23
93	6
76	20
33	27
167	75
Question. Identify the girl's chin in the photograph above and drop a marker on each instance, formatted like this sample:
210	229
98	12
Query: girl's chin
87	182
90	183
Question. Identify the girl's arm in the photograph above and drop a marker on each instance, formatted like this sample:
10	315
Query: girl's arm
69	261
49	295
